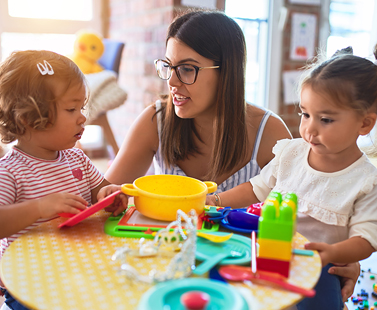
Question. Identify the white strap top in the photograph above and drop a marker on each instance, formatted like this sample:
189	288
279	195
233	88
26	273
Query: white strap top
243	175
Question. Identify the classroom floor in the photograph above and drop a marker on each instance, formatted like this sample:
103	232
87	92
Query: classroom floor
367	278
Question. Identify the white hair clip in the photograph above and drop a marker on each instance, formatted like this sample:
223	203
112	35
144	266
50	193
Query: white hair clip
45	69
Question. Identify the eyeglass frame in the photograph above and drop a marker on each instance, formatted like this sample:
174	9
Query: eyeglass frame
197	69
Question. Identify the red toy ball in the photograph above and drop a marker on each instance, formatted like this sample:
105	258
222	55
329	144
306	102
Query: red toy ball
255	208
195	300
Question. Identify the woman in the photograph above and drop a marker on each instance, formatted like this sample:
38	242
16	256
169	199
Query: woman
204	129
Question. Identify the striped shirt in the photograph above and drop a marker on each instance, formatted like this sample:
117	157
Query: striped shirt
243	175
24	177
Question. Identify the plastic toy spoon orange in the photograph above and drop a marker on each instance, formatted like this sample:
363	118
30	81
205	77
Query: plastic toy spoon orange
241	273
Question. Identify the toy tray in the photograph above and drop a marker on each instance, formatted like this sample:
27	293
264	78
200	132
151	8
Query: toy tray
132	224
77	218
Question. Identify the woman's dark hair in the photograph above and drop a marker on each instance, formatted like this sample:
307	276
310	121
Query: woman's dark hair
219	38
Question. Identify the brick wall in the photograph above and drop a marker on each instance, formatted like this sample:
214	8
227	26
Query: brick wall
142	25
289	113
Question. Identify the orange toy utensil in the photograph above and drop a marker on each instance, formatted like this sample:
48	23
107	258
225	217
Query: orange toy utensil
241	273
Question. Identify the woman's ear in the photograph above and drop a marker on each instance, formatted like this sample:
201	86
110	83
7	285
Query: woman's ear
369	120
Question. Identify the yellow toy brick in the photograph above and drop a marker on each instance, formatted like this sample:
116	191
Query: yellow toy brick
275	249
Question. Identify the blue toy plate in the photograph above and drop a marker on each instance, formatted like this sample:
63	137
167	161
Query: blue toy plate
167	295
225	223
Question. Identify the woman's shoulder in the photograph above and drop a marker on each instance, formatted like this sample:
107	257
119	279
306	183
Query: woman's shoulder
274	130
275	126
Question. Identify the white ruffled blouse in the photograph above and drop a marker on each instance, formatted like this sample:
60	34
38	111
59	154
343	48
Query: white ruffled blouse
332	206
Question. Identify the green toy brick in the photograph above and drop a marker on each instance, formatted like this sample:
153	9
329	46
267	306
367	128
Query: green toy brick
276	226
275	230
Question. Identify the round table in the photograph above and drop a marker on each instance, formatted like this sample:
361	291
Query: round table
71	268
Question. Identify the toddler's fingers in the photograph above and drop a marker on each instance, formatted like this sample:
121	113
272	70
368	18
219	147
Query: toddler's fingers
347	289
348	271
318	246
76	201
119	210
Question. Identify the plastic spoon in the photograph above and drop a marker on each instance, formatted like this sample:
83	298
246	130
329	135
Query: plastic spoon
241	273
210	237
214	238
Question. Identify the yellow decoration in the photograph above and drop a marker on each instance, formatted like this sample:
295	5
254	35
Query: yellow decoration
88	49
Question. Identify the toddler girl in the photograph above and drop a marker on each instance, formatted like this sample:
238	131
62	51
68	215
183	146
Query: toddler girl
42	95
333	179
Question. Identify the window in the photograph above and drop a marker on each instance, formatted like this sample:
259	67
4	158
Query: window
45	24
252	17
51	9
351	24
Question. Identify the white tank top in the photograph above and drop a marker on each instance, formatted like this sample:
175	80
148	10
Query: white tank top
243	175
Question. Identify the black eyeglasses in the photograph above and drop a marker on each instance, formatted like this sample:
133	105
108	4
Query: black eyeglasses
186	73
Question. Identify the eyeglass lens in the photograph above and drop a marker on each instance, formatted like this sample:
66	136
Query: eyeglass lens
186	73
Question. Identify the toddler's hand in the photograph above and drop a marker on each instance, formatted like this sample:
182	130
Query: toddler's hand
52	205
120	202
325	251
349	274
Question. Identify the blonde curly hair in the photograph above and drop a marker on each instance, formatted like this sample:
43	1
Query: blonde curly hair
27	98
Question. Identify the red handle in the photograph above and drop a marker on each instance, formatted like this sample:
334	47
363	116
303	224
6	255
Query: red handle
284	284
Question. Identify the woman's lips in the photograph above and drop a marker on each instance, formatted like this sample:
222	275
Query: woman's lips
180	100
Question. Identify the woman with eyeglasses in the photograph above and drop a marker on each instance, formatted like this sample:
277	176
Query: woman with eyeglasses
204	128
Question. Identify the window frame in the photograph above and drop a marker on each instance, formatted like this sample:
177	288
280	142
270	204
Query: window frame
36	25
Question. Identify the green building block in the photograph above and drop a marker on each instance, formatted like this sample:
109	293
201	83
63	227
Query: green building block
274	226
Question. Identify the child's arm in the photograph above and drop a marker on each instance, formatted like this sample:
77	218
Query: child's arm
237	197
105	189
348	251
18	216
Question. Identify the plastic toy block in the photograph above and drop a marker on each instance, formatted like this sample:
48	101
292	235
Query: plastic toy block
275	249
275	195
273	265
275	230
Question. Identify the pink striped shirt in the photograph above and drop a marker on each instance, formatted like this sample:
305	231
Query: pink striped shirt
24	177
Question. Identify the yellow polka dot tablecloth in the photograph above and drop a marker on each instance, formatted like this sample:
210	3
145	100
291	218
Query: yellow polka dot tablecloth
71	268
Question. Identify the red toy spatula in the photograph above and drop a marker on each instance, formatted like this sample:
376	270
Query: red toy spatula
77	218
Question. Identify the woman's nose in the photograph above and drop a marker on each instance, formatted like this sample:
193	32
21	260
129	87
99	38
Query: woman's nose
174	80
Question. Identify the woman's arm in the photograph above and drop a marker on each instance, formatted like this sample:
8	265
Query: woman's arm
274	131
136	153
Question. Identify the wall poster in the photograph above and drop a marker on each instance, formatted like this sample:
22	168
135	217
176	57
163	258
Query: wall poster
303	36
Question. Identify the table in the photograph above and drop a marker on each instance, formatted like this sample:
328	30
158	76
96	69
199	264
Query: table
71	268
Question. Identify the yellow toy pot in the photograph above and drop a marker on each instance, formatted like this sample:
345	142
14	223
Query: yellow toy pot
160	196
